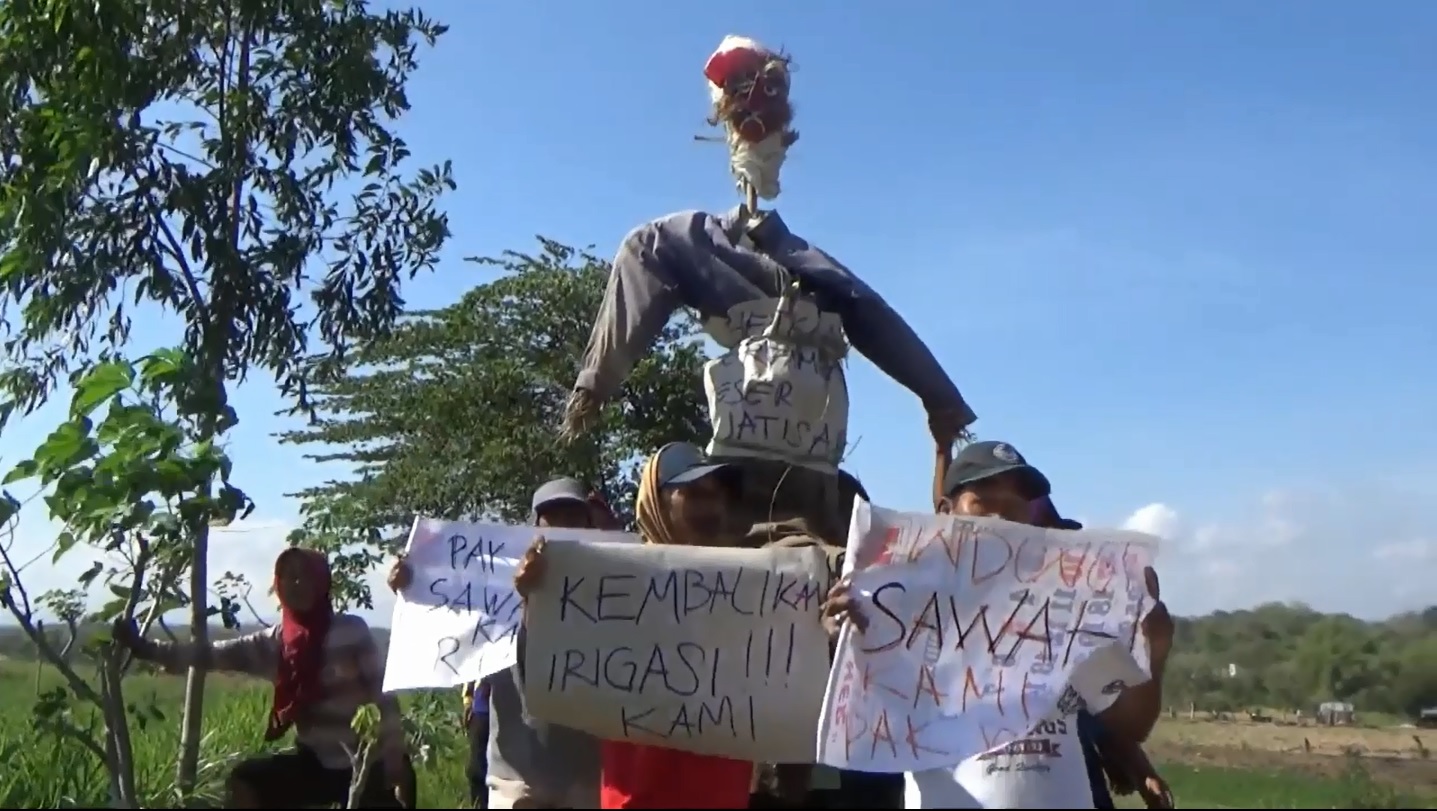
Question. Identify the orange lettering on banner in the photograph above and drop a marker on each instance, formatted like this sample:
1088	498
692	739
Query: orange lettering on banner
980	579
913	743
950	539
1101	574
882	732
886	547
970	687
845	691
850	737
994	737
870	681
1068	561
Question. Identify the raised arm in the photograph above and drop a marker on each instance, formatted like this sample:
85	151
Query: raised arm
884	337
941	464
640	297
873	327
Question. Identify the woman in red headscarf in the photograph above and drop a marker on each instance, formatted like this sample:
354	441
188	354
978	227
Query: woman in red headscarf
325	666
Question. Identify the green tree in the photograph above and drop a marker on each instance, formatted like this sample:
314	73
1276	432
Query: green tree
454	415
219	161
1414	677
1290	657
136	485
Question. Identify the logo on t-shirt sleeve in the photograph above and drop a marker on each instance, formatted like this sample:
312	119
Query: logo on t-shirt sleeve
1070	702
1114	687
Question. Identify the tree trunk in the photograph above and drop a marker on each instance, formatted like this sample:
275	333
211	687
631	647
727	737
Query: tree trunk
191	729
118	748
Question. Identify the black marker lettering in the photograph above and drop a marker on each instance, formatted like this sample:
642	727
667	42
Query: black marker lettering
616	595
566	599
893	620
448	648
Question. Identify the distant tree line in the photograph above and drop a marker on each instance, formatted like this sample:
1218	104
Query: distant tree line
1279	656
1290	657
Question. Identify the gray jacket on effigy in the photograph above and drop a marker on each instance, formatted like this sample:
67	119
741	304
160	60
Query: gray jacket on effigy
690	259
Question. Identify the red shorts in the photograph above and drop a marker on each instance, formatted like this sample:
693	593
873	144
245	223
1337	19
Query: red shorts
639	776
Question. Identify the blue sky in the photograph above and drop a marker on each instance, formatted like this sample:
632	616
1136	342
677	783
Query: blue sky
1180	255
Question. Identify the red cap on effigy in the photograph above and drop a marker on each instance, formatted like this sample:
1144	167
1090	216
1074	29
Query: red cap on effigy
748	85
736	56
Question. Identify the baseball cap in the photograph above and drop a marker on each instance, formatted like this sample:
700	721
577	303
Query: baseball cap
681	463
1046	515
559	490
984	460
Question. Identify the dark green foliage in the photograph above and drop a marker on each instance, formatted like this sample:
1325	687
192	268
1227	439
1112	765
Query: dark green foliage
456	413
230	166
186	155
1291	657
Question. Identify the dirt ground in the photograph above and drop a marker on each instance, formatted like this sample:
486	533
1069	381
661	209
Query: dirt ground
1399	757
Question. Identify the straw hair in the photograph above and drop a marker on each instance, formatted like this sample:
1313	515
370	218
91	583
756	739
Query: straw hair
655	525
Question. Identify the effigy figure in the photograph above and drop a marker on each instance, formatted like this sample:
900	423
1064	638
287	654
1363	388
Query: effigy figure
785	311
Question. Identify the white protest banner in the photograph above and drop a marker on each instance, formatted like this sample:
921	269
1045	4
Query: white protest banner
707	650
458	619
976	629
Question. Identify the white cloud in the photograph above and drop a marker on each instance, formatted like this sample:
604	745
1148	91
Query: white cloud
1276	519
1359	549
1155	519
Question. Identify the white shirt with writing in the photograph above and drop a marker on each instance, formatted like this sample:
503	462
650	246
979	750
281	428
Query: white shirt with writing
1044	769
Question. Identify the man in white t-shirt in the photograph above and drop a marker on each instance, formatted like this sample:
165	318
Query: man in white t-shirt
1045	769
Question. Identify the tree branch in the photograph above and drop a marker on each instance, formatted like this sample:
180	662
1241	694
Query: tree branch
25	618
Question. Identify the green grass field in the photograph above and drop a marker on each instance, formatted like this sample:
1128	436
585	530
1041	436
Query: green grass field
39	771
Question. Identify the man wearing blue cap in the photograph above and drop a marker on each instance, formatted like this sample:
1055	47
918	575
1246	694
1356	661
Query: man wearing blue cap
993	479
523	763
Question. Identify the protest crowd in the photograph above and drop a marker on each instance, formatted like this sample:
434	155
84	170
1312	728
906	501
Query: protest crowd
549	652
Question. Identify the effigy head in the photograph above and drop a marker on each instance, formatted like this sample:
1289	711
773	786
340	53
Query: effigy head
749	87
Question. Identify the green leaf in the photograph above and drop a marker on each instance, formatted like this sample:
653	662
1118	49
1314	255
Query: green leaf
9	508
89	575
66	446
162	366
102	383
272	257
22	471
64	542
113	608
